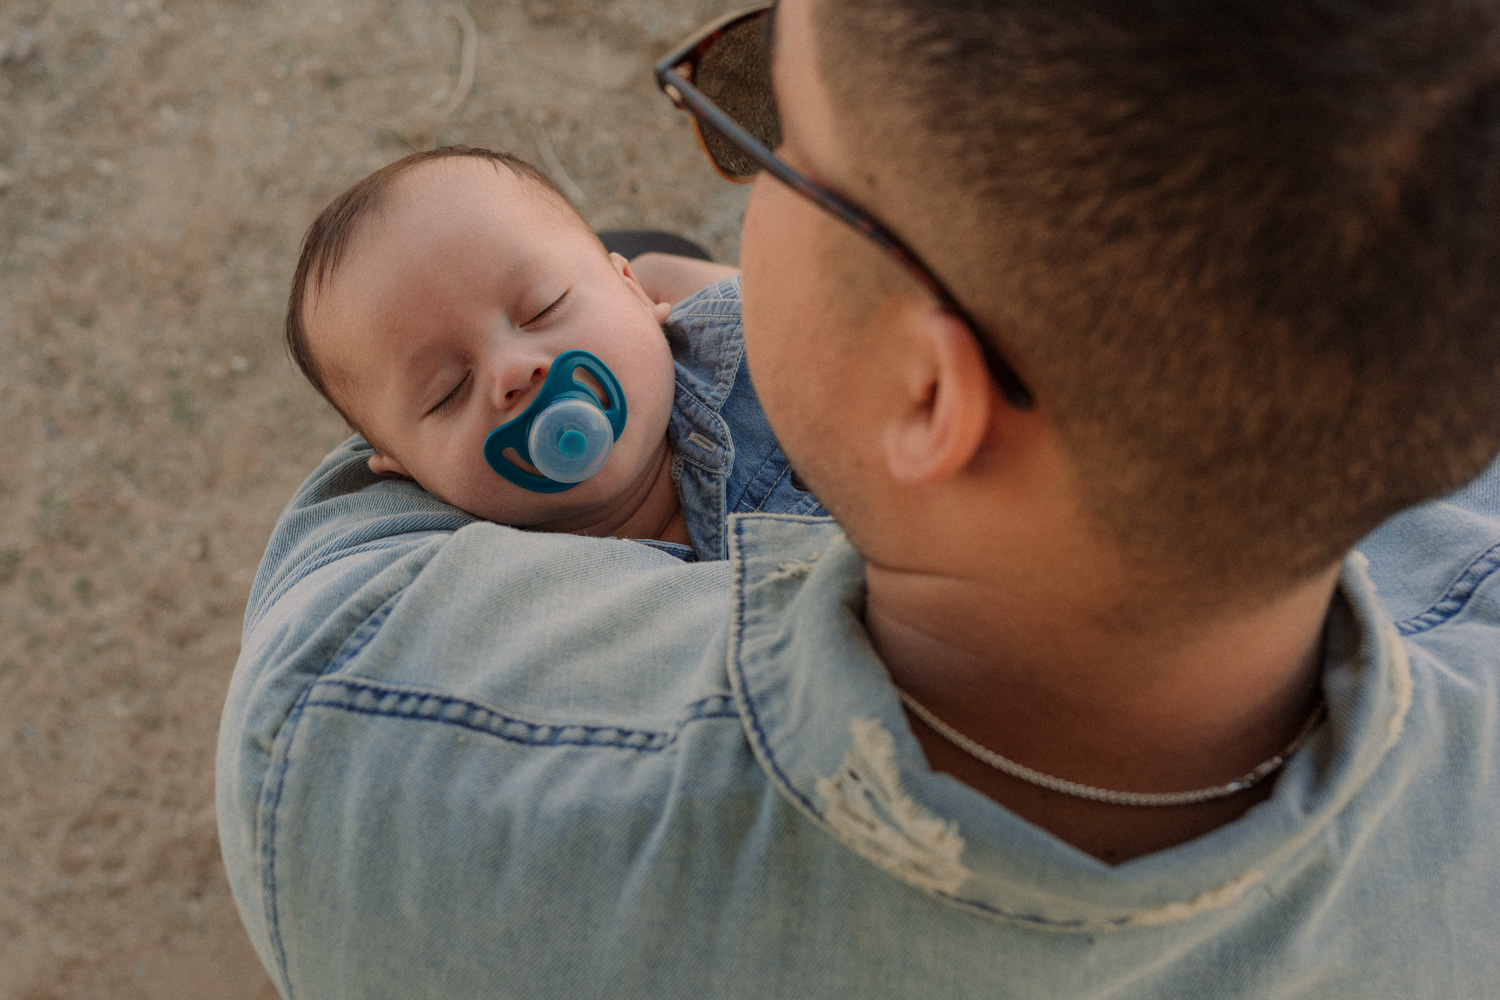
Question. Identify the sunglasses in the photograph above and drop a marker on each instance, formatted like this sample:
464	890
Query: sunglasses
722	77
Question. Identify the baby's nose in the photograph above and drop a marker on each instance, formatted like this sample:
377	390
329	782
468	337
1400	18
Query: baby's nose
517	380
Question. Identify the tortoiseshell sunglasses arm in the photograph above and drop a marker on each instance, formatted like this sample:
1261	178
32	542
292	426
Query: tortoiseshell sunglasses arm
687	97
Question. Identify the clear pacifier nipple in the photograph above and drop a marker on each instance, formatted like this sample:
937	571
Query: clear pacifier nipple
570	440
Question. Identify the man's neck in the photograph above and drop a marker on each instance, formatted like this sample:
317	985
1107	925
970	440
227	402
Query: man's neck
1144	707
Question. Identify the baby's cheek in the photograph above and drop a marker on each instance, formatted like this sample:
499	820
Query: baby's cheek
463	479
658	385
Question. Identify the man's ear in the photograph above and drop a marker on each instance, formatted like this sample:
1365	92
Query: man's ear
948	399
384	465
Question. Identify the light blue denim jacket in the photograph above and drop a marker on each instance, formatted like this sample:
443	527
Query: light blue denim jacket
726	458
459	760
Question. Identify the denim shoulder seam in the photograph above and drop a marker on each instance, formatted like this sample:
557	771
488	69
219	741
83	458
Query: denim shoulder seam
1457	596
328	555
364	697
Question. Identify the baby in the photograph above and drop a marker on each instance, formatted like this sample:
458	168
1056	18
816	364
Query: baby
429	304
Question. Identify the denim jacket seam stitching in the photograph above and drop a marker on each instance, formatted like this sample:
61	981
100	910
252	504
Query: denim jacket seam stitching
808	505
268	881
706	296
739	667
311	565
715	392
708	307
358	639
762	515
488	721
364	632
730	358
775	457
679	471
1457	596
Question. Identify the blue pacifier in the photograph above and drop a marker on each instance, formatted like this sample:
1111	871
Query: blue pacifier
563	432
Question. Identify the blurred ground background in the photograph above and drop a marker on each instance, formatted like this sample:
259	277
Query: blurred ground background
159	161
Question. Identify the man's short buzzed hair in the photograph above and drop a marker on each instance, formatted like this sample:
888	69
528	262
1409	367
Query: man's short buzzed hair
1247	252
332	233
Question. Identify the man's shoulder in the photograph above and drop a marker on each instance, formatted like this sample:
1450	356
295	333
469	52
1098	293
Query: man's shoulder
389	631
607	629
344	509
382	579
1438	565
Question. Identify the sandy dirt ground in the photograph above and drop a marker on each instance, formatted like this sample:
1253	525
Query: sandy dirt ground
159	161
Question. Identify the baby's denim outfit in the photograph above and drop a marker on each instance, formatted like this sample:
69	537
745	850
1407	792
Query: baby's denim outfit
726	459
460	760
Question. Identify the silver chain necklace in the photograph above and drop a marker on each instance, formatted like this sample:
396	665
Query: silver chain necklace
1259	773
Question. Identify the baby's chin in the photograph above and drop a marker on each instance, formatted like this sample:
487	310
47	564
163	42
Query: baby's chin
585	509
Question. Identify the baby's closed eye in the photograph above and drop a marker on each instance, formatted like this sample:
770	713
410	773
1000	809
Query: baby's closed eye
455	395
552	308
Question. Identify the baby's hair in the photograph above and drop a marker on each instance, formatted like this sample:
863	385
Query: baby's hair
329	237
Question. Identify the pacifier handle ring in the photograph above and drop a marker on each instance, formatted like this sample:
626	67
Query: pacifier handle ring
559	384
615	409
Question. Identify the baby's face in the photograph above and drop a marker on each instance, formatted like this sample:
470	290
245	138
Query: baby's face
442	322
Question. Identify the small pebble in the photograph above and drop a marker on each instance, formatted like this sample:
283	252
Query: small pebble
263	98
104	168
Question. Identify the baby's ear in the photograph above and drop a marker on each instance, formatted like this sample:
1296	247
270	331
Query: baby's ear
622	267
385	465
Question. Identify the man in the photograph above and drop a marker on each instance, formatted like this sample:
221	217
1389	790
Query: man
1085	698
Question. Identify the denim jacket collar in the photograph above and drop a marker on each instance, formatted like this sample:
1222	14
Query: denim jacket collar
707	358
826	726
